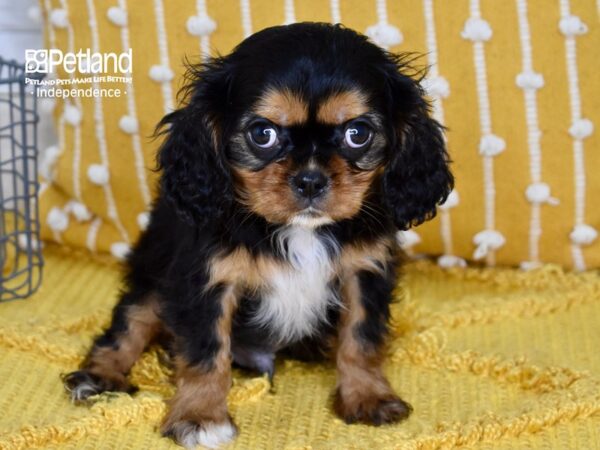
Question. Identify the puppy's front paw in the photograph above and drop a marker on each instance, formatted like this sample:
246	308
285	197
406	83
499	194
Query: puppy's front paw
372	410
83	384
208	433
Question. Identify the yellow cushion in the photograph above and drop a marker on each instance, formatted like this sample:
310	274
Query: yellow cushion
479	48
492	358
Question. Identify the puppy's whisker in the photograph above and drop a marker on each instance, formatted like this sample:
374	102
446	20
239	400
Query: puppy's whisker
372	212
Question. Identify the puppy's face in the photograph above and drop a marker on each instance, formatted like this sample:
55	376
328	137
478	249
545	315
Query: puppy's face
307	161
306	124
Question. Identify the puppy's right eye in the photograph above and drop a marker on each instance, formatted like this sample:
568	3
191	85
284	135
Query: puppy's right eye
357	135
263	135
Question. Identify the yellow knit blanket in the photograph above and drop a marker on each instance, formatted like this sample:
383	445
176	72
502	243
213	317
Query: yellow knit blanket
488	358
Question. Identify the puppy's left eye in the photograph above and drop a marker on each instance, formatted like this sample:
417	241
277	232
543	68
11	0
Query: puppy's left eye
263	135
358	134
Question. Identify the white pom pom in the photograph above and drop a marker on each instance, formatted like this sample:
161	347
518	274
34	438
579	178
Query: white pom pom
143	219
581	128
51	153
160	74
48	161
128	124
46	105
408	239
81	213
200	26
436	87
530	80
486	241
98	174
117	16
451	201
448	261
540	193
72	115
120	250
491	145
35	14
57	219
79	210
25	243
385	35
59	18
583	234
477	30
572	26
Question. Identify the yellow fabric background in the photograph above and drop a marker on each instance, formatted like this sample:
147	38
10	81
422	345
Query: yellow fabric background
503	59
489	359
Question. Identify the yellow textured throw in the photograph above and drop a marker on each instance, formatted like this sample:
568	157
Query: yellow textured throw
515	81
488	358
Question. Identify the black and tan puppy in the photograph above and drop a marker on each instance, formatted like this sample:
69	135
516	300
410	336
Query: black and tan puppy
285	176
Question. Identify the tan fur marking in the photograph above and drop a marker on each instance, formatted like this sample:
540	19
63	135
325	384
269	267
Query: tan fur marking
267	192
282	107
348	189
370	257
341	107
143	325
231	268
239	268
202	392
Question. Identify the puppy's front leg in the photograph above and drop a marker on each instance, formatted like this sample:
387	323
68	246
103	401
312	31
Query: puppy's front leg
363	393
198	411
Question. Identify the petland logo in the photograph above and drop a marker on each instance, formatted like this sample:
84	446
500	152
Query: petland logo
92	69
46	61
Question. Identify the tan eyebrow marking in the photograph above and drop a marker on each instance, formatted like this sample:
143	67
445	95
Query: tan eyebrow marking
343	106
282	107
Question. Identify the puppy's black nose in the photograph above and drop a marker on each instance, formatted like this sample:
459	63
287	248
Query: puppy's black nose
310	183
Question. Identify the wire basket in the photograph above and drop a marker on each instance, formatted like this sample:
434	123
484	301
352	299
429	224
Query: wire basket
20	253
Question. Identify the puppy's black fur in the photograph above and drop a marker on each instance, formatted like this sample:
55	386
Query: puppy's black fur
200	215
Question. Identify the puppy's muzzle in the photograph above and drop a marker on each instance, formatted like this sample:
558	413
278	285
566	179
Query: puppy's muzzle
310	184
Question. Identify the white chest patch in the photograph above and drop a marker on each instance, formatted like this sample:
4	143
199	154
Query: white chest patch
298	296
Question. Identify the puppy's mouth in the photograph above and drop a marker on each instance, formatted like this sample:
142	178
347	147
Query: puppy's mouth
310	217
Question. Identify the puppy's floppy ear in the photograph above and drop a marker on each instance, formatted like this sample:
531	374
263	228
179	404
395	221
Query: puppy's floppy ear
417	177
195	178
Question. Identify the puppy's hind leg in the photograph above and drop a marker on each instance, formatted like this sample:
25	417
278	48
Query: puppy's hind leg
134	324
